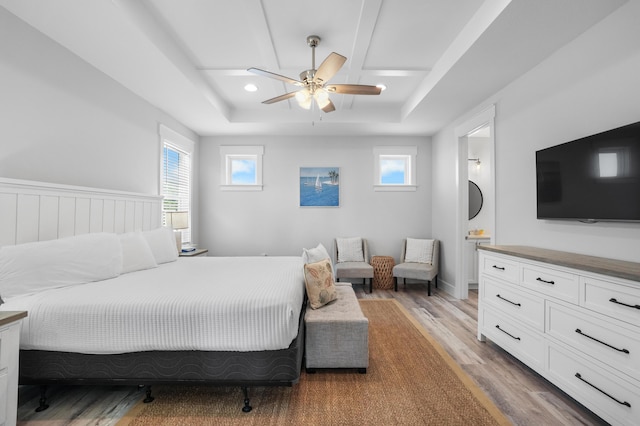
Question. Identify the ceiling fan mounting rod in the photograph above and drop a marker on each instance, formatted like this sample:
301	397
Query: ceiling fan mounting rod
313	41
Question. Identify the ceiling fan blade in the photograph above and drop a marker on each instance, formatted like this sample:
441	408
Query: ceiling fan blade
329	67
353	89
276	76
280	98
329	107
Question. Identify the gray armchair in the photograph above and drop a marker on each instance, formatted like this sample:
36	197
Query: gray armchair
356	268
422	269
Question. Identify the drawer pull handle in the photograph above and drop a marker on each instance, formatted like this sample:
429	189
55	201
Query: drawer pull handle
507	300
500	268
545	281
623	304
626	351
579	376
508	334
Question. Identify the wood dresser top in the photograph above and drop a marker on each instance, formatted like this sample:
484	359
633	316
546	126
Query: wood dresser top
599	265
7	317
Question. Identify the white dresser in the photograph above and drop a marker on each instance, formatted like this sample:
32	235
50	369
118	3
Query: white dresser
574	319
9	351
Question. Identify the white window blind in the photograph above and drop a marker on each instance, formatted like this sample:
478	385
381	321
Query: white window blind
176	184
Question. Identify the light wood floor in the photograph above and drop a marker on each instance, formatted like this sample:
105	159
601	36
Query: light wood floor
524	396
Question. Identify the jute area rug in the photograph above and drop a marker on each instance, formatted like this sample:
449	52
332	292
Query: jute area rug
411	380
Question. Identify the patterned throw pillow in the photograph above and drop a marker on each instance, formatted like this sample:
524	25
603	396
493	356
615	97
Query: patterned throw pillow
319	282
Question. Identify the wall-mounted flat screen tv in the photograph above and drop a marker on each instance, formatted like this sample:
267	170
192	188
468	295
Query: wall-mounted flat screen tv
595	178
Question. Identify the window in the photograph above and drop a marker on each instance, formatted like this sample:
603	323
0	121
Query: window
241	168
175	180
395	168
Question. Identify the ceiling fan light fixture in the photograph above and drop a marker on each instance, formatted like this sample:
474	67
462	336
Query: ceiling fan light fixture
306	104
304	98
382	87
322	98
302	95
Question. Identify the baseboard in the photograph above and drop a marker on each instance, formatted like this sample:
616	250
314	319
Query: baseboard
446	287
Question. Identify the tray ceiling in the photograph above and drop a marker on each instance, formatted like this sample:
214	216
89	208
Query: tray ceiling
437	58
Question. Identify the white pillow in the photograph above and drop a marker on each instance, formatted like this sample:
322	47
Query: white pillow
136	253
350	249
163	244
419	251
32	267
316	255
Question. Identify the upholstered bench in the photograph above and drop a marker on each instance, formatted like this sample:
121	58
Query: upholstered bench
337	335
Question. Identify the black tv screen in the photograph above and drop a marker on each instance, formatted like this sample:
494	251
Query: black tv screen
596	178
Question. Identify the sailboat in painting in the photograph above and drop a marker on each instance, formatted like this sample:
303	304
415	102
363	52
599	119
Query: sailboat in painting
318	183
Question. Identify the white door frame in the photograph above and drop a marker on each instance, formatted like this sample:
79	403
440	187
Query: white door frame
483	119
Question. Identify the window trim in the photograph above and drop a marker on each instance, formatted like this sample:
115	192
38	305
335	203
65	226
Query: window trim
231	152
380	152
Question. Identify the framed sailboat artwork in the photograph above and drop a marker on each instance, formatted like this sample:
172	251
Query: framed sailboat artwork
319	186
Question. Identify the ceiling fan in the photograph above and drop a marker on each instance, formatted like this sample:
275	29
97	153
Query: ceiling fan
313	82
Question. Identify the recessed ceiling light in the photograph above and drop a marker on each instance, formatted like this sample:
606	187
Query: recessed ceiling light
251	87
382	87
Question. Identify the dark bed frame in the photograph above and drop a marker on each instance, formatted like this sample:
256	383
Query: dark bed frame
244	369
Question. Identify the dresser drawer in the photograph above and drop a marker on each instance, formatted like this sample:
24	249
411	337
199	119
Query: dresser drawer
498	267
514	302
597	336
615	300
515	338
610	396
551	282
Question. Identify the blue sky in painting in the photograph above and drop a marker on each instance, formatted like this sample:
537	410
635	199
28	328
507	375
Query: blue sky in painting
314	171
243	171
392	171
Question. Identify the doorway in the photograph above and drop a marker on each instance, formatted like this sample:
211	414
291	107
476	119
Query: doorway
476	160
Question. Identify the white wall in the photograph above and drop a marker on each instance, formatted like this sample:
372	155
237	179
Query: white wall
271	221
590	85
63	121
444	194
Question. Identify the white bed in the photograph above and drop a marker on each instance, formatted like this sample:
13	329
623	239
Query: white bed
206	304
99	315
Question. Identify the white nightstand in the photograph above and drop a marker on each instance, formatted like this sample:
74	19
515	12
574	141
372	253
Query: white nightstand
9	355
196	252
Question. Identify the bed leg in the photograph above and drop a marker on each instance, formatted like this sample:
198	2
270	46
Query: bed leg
43	399
149	398
246	407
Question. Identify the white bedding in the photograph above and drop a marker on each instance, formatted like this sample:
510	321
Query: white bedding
200	303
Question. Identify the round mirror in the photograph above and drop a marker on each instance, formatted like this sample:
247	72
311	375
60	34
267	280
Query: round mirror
475	200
